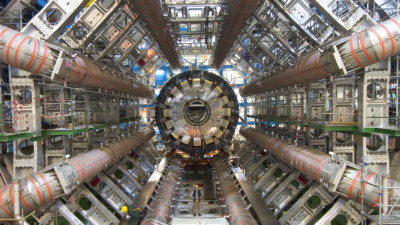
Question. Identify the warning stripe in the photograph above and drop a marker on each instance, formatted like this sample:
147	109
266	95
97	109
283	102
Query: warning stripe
9	47
365	184
37	190
10	194
76	66
43	59
354	53
390	37
319	168
353	182
23	199
376	202
79	172
47	185
380	41
364	49
2	203
322	69
314	69
5	30
17	51
394	21
33	54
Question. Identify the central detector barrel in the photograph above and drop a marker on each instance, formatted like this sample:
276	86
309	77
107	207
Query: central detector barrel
197	112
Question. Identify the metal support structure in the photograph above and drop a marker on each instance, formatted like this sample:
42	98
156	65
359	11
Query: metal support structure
42	188
339	176
360	50
236	206
152	13
239	11
39	57
159	208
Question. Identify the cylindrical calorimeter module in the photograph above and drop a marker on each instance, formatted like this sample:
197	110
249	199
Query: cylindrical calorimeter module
25	52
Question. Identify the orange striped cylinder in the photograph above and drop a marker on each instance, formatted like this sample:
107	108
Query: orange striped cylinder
236	206
319	166
239	11
371	45
163	200
83	72
35	56
25	52
42	188
360	50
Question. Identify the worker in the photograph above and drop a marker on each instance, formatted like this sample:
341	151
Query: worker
126	217
196	195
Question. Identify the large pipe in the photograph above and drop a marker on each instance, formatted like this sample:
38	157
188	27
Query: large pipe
50	183
239	11
342	178
360	50
151	12
39	57
236	206
160	207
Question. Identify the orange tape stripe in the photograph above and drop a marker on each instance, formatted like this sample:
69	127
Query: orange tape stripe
353	182
23	199
75	70
43	59
376	202
365	184
81	70
37	190
5	30
390	37
395	21
9	47
2	203
380	41
320	167
47	185
322	69
33	54
364	49
81	170
10	194
354	53
317	65
17	51
78	169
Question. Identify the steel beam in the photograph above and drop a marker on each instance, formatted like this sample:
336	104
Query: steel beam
151	12
239	11
340	177
39	57
44	187
358	51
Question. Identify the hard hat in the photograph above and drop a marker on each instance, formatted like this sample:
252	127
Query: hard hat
196	186
124	209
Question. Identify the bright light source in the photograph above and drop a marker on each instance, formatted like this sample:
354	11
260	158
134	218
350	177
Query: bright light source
160	72
150	53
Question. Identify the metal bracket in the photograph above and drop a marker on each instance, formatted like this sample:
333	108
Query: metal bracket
338	176
57	66
338	60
